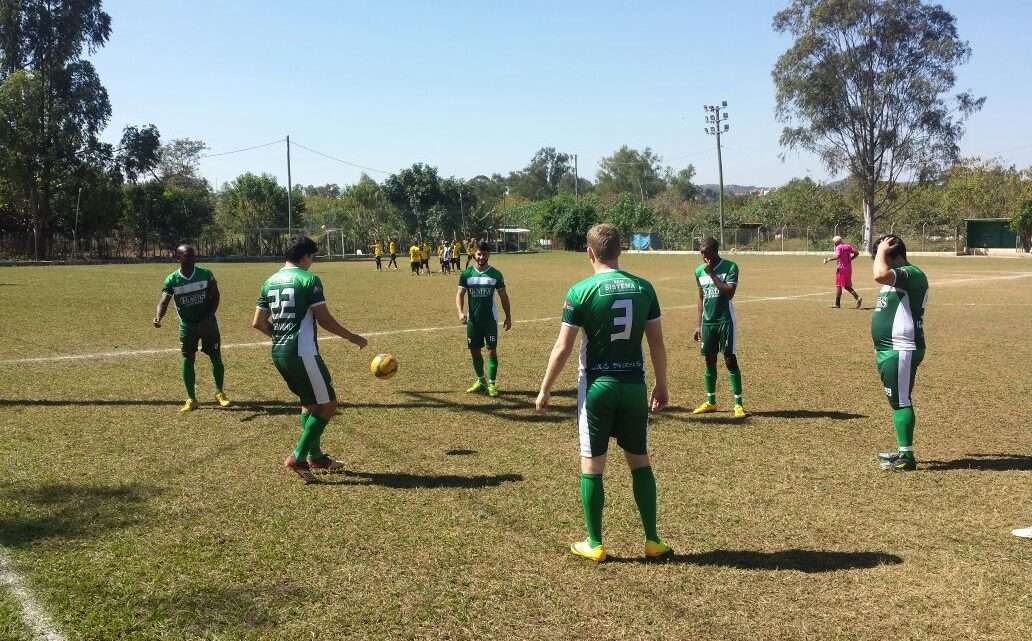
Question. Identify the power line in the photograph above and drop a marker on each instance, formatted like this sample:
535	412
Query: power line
341	161
237	151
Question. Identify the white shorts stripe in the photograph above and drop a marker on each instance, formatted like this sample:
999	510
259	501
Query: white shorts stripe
903	370
315	377
582	417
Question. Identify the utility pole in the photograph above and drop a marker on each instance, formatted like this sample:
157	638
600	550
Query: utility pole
576	178
290	188
75	230
715	117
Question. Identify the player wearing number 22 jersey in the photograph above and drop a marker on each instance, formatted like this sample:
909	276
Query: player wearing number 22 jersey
613	310
897	328
290	307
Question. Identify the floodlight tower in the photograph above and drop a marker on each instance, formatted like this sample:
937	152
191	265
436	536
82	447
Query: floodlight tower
716	119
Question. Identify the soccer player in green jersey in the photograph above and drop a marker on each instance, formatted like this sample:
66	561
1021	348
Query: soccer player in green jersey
480	282
613	309
197	299
290	305
716	326
897	327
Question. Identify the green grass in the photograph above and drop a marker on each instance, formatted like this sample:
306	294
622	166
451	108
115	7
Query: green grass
131	522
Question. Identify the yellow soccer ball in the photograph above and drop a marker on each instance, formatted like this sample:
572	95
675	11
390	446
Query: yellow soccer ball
383	366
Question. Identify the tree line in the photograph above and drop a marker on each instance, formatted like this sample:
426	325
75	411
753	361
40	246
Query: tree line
864	87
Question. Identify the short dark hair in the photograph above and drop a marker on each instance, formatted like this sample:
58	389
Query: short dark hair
900	249
604	241
299	247
710	244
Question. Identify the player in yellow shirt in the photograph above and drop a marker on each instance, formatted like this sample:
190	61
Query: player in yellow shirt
456	254
424	257
414	258
471	249
392	251
378	255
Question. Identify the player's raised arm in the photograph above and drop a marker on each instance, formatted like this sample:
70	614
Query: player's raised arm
503	296
556	361
657	352
159	313
330	324
883	273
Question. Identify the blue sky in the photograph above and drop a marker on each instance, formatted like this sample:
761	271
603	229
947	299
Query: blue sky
478	87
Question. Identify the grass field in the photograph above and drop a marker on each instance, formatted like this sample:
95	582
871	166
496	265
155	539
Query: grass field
128	521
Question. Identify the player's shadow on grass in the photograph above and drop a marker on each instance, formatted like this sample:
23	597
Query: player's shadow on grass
511	405
49	402
198	611
809	561
724	418
403	481
981	462
833	415
69	511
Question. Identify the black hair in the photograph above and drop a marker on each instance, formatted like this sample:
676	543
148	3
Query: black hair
710	244
900	248
299	247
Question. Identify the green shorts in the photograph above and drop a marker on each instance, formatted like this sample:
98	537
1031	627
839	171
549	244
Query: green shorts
717	337
608	408
482	333
898	370
307	377
206	332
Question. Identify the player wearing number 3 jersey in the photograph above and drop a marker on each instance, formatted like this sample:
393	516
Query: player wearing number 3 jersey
614	310
291	304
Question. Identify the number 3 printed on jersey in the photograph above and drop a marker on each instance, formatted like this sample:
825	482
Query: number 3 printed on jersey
282	304
623	320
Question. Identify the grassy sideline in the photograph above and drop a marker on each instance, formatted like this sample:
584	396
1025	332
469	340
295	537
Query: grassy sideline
131	522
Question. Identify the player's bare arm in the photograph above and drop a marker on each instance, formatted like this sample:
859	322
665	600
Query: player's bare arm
261	322
503	296
657	352
883	273
214	297
460	303
330	324
556	361
159	313
698	320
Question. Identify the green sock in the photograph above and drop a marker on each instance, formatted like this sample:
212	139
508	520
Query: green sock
492	369
710	377
593	498
303	419
644	482
314	427
478	366
315	449
189	377
735	379
218	370
905	420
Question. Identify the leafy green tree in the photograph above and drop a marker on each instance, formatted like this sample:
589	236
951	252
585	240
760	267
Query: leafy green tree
680	182
629	171
140	151
542	177
179	161
52	104
414	191
568	218
250	203
1021	223
864	87
629	216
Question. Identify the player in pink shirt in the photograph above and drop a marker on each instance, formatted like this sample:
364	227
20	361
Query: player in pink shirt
844	254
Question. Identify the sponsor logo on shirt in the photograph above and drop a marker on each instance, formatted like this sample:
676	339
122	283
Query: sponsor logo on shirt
620	286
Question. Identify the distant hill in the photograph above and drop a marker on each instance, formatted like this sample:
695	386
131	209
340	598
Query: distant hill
737	190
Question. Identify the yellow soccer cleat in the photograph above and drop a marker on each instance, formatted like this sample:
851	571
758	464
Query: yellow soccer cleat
740	412
476	387
222	399
583	549
492	391
189	406
656	549
705	408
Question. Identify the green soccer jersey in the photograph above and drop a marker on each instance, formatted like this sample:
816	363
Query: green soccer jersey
717	308
480	286
898	319
289	296
612	308
192	295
